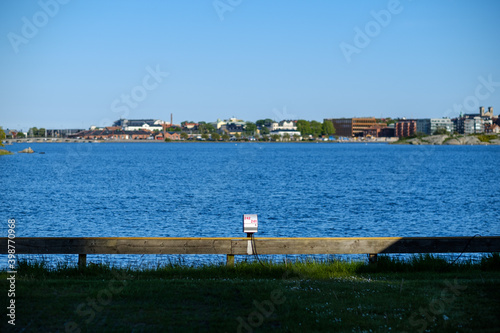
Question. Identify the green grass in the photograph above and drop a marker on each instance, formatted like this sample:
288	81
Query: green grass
5	152
419	294
486	137
405	139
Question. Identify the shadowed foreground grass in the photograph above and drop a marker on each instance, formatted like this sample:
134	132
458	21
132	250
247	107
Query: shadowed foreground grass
422	294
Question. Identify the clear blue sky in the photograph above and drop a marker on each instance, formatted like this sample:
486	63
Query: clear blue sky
254	59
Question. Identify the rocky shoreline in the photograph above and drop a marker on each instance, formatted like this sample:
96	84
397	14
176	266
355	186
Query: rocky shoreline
450	140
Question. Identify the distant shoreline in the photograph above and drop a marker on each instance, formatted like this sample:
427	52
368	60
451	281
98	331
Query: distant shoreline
478	139
187	141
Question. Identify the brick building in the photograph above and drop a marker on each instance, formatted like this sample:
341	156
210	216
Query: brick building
350	127
405	128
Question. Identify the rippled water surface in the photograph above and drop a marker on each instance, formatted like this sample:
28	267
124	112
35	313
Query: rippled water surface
298	190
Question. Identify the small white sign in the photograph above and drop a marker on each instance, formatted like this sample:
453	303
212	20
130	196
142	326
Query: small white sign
250	223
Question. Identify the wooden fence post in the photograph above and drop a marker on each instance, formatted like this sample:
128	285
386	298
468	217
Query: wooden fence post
230	260
372	258
82	261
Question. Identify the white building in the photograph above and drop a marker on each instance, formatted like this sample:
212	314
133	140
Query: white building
473	125
141	124
220	123
430	125
284	125
283	132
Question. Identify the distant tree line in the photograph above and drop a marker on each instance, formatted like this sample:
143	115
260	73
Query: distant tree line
259	130
315	128
36	132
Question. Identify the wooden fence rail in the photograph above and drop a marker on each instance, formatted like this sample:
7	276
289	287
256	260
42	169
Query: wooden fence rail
232	246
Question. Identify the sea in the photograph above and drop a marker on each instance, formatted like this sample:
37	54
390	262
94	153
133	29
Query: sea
202	189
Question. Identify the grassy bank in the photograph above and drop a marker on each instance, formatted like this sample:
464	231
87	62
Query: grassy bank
421	294
5	152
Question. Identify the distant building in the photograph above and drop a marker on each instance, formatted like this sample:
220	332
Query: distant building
284	125
112	133
488	114
378	130
140	124
222	124
405	128
350	127
62	133
189	126
283	132
494	128
174	136
473	125
233	128
430	125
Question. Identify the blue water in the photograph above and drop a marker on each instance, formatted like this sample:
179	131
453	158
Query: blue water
297	190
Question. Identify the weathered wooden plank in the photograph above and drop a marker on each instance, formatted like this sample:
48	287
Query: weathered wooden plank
120	245
370	245
315	246
239	246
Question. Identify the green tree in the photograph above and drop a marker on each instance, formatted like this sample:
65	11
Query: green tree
204	136
202	128
328	128
440	131
316	128
286	137
185	122
184	136
237	136
2	136
210	128
250	128
264	122
33	132
304	127
296	137
275	137
264	130
216	136
225	137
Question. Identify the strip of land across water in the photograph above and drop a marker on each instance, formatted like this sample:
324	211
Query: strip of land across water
458	139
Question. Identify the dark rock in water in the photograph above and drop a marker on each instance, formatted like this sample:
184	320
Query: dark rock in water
27	151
